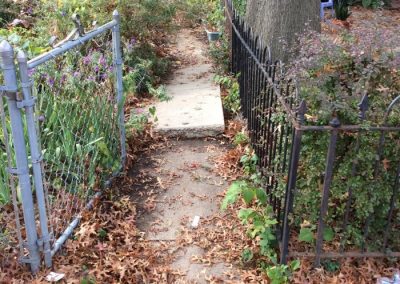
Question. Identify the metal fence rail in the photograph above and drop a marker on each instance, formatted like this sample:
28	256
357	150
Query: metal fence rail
279	132
63	136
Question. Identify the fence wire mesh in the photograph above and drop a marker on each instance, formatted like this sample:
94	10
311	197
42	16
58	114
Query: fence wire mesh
11	244
78	126
62	134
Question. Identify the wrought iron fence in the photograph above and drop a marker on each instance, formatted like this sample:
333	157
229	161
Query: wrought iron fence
63	137
282	138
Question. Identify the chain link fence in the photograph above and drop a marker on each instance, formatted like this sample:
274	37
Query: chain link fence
63	137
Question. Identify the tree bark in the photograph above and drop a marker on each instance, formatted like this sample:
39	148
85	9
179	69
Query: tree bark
278	22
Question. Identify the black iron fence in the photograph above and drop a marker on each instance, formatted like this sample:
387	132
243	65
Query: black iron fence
328	225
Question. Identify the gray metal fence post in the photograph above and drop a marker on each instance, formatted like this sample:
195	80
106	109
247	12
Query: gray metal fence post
116	38
22	170
36	155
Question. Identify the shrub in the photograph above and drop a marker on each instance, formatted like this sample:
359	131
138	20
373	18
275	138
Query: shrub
333	73
341	9
8	11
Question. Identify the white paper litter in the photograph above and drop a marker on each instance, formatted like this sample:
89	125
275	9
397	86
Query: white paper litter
196	221
54	276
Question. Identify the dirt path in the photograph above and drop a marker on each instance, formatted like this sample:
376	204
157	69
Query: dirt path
180	183
183	185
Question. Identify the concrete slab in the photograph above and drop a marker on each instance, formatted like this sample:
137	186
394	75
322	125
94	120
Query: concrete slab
195	109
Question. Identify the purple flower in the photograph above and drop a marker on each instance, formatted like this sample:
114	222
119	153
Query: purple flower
90	78
76	74
102	61
87	59
31	72
41	118
103	76
50	81
63	13
96	69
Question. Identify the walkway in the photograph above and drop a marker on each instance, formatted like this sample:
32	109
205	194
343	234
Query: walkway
195	109
180	183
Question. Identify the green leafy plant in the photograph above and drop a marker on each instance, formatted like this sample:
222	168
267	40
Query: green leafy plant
240	139
342	11
247	255
372	3
280	274
231	101
160	93
249	162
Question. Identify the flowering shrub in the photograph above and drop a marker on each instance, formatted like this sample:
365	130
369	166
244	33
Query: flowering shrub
333	73
76	109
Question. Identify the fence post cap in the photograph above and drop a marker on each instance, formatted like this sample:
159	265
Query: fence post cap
21	56
5	46
115	14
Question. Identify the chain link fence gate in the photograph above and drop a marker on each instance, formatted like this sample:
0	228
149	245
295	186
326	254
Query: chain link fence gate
62	138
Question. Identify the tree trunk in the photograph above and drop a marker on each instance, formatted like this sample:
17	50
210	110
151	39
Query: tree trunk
275	21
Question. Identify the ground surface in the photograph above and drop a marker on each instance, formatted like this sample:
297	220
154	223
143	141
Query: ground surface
187	187
195	108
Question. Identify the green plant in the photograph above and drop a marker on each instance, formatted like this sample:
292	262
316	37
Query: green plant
8	11
341	9
330	265
241	139
260	222
160	93
372	3
280	274
332	76
102	234
137	122
249	162
231	101
247	255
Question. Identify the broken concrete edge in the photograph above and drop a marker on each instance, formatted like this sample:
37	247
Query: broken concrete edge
188	132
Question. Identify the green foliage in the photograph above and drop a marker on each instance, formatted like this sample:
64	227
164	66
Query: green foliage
249	162
333	75
240	6
137	123
306	235
240	139
341	9
331	265
102	234
231	101
219	52
8	11
280	274
160	93
247	256
372	3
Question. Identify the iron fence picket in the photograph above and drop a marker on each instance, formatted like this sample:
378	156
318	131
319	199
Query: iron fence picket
277	142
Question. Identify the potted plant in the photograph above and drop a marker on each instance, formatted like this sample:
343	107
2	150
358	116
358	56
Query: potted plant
342	12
